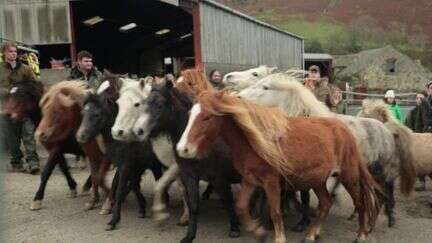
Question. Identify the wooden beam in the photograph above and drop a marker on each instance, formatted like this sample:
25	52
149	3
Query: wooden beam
197	36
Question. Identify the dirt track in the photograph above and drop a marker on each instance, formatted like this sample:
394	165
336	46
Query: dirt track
64	220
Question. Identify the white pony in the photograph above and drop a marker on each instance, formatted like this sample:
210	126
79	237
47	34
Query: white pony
386	150
243	79
131	95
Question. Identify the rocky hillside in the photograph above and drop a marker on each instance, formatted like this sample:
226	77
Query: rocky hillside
350	26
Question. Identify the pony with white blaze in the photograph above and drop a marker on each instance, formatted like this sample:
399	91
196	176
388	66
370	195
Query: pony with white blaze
131	95
242	79
386	150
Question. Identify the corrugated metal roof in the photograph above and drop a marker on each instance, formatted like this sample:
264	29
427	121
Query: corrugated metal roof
317	56
242	15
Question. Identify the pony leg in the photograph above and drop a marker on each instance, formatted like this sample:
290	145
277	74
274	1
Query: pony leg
389	203
192	198
206	194
70	181
324	205
103	169
160	212
107	206
46	173
224	191
120	194
94	166
305	220
135	184
354	191
184	219
273	193
246	191
87	185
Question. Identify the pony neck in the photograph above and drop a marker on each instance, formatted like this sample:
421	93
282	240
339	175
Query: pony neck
178	119
243	150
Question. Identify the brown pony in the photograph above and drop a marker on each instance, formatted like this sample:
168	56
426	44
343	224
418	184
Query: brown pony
193	82
272	150
61	107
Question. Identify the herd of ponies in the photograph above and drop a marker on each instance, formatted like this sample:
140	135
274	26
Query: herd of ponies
266	132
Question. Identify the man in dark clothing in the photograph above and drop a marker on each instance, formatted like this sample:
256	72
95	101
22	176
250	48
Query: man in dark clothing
216	79
85	70
419	119
15	132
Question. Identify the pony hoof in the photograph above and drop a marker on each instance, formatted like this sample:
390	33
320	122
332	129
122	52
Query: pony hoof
72	193
110	227
183	223
300	227
160	216
141	215
359	241
260	234
90	206
105	211
234	234
36	205
186	240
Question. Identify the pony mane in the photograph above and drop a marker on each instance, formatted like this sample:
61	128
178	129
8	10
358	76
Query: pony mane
379	110
262	126
193	81
76	90
30	88
299	100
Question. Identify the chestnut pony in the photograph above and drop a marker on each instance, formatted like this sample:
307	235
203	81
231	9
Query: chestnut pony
272	150
193	82
61	107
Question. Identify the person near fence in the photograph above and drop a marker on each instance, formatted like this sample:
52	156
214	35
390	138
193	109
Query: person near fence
16	132
85	70
326	94
313	76
390	100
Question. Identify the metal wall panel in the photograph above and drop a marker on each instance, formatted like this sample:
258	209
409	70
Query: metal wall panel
230	41
35	22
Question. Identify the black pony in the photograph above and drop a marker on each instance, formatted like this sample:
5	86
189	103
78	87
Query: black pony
168	115
131	159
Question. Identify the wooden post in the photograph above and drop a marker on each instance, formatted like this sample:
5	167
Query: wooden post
73	40
197	35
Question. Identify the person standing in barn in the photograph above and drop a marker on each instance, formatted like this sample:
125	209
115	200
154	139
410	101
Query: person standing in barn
15	132
85	70
215	78
313	76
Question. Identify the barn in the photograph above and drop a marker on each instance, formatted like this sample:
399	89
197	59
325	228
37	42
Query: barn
142	37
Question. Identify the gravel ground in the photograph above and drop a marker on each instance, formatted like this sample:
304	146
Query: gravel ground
64	220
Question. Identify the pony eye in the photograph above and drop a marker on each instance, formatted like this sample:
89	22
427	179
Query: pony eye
255	74
265	87
206	118
137	104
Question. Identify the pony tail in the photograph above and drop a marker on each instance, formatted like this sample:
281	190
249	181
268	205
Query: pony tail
370	195
403	142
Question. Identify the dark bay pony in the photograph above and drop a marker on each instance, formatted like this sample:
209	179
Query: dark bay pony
132	159
61	107
165	111
22	101
272	150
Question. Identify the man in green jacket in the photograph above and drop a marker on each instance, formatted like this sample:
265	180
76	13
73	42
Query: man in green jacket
85	70
15	132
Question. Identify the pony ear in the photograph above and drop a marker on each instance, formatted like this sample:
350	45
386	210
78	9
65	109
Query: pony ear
125	75
65	100
106	72
169	84
272	69
103	86
145	81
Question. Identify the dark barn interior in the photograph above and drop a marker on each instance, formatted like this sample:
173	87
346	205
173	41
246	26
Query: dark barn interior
139	50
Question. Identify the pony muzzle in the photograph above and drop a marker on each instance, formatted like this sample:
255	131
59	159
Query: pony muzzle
187	151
